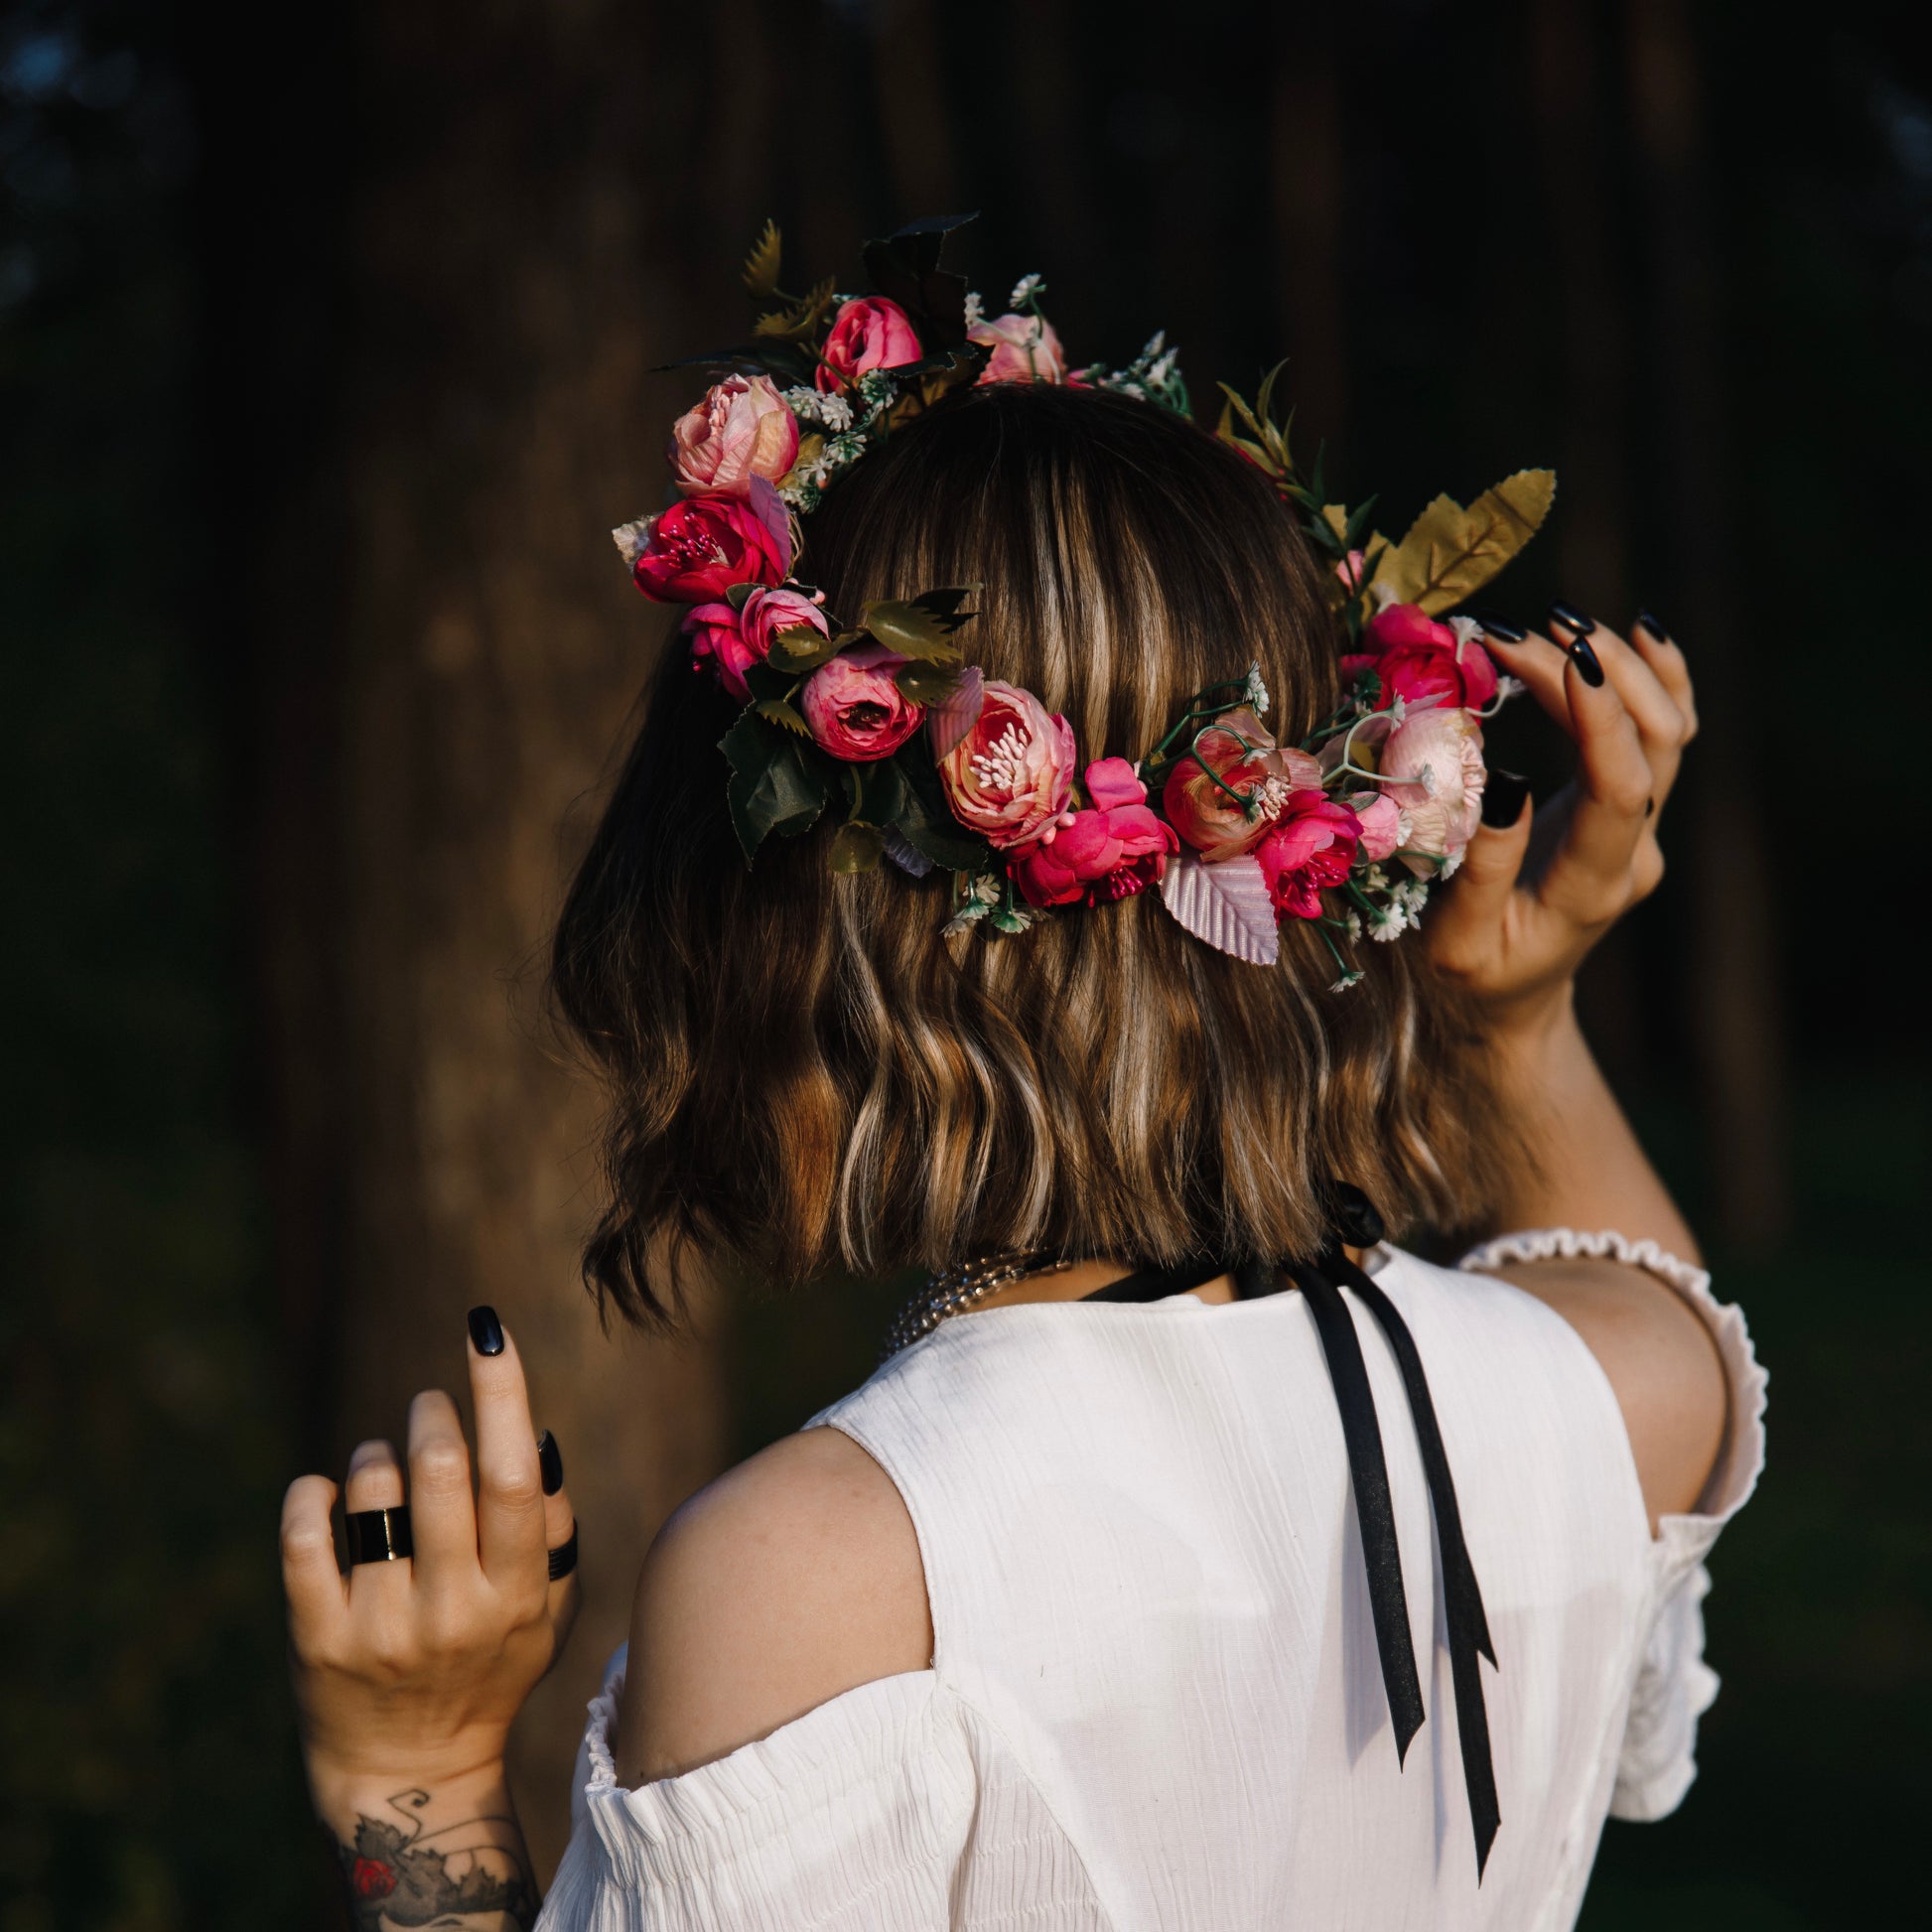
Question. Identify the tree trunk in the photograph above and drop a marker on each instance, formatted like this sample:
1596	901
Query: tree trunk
511	244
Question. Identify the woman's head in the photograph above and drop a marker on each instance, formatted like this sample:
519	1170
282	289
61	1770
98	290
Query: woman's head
804	1074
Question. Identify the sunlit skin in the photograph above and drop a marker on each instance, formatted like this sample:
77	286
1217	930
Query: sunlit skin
796	1575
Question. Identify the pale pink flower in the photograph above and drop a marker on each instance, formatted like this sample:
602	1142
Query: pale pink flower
854	710
741	430
1024	349
1433	763
1009	776
1381	822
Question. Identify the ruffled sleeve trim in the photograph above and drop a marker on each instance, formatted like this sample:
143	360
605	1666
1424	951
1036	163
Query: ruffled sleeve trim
871	1789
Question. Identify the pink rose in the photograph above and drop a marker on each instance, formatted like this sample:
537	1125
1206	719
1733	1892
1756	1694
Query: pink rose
1312	845
1111	852
1024	349
699	548
741	430
1009	776
1349	570
1241	753
1418	660
735	640
1381	823
1433	766
854	710
869	332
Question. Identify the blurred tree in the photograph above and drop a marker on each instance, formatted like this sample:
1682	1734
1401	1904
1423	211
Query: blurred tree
451	653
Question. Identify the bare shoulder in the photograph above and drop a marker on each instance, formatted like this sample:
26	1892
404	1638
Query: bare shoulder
1661	1361
792	1578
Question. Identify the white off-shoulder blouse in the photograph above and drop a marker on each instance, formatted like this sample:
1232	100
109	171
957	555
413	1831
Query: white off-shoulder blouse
1154	1699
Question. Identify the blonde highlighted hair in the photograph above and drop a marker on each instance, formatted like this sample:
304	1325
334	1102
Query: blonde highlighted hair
806	1076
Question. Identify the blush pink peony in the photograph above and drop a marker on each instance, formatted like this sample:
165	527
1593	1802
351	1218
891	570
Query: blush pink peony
741	430
1112	851
1420	660
1432	768
1024	349
735	640
854	710
1241	753
1009	778
699	548
1312	845
869	332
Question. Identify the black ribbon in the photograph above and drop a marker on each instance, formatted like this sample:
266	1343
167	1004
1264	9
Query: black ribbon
1466	1623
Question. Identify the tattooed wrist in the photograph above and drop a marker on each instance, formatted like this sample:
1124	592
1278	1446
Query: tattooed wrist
414	1860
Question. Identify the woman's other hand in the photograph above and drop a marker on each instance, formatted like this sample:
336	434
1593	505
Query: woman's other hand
1536	893
409	1672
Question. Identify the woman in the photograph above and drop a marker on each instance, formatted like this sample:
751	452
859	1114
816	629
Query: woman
1161	1609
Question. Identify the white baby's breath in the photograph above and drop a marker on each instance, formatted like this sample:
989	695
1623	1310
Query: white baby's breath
1025	290
974	308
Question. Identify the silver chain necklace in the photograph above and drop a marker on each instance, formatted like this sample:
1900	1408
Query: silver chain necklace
955	1290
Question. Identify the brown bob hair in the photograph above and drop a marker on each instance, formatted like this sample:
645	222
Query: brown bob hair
808	1078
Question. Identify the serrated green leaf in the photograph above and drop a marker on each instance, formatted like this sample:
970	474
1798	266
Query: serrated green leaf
927	683
798	320
775	786
761	265
1451	552
739	595
858	847
803	648
778	712
912	631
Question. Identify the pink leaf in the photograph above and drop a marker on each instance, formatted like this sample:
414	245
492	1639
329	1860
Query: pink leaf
1227	904
949	722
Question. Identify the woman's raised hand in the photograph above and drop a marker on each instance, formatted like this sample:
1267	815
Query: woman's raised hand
411	1669
1535	894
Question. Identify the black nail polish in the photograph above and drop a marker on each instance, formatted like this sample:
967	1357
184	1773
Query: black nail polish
1649	621
1568	613
1584	659
485	1330
550	1463
1502	797
1499	627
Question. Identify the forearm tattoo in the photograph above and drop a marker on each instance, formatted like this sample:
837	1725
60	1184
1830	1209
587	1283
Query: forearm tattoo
472	1875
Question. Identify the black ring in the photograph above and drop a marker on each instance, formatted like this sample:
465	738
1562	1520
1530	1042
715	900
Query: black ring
380	1535
563	1559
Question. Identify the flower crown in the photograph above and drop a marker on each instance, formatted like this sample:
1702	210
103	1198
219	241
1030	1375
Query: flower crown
936	765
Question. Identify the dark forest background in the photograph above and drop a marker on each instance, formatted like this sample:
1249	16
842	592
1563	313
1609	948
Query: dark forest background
326	352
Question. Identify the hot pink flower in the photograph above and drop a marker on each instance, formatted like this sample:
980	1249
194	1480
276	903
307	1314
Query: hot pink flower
1310	845
1434	759
1381	823
698	549
1024	349
869	332
741	430
1009	777
1417	658
735	640
1242	754
1111	852
854	710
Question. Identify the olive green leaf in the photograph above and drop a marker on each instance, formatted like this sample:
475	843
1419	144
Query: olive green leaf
1451	552
781	713
797	320
921	627
803	648
762	265
927	683
1266	444
858	847
926	819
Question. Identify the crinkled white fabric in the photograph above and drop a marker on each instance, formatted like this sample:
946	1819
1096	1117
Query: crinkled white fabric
1154	1699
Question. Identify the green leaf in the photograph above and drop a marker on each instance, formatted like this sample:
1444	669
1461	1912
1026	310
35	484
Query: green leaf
798	320
778	712
739	595
906	267
801	648
881	791
926	819
776	784
913	630
762	265
858	847
927	683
